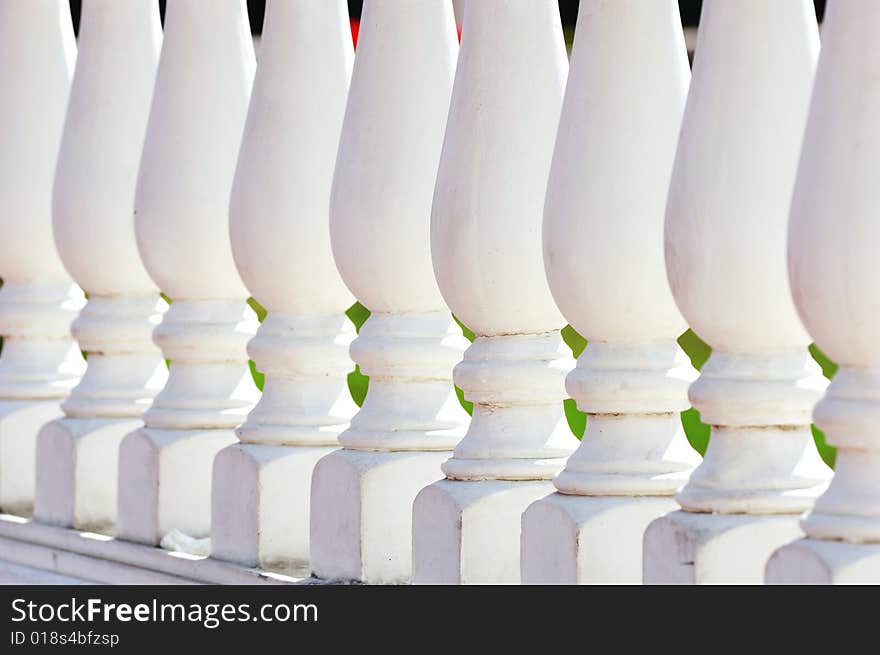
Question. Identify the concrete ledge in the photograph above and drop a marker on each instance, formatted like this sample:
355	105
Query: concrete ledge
32	553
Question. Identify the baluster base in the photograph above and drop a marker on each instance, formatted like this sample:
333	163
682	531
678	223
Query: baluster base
587	539
165	482
77	464
20	422
362	510
814	561
260	506
469	532
690	548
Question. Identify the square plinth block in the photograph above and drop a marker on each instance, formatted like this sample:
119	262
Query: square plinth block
361	513
260	506
20	423
690	548
587	539
77	466
468	532
811	561
165	482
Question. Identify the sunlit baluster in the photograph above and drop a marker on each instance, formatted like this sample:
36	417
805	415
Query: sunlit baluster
281	242
77	456
603	253
834	243
726	227
380	212
40	363
487	255
193	135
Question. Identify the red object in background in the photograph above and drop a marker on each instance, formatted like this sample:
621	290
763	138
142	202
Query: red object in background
356	28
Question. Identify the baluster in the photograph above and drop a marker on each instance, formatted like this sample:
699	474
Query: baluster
486	244
726	225
380	207
603	253
281	242
458	9
77	456
203	82
833	246
39	363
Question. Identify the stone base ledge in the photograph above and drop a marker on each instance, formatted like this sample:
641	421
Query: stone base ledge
33	553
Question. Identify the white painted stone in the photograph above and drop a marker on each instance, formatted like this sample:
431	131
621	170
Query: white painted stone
690	548
76	472
39	362
93	203
603	254
260	501
279	222
816	561
485	241
454	524
832	257
165	482
726	227
366	534
380	209
587	539
193	135
20	422
458	7
102	559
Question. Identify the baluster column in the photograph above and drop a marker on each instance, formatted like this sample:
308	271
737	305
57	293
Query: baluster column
39	363
77	456
196	121
361	513
486	246
725	235
834	241
603	254
281	242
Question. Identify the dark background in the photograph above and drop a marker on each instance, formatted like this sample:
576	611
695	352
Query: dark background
690	11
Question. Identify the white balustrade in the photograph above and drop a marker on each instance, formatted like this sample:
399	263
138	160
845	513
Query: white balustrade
40	363
193	135
486	246
834	237
726	232
419	180
281	242
603	253
361	503
77	456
